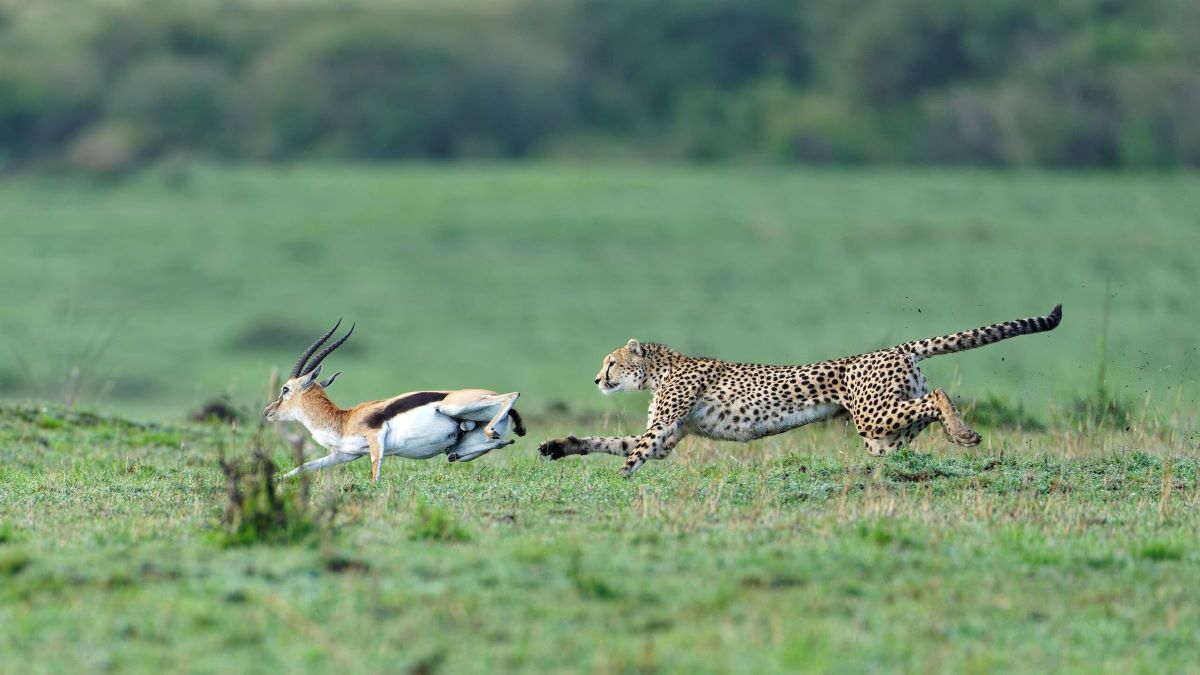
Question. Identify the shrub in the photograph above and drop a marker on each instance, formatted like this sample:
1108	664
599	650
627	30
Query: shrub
257	510
1010	82
1158	109
174	102
396	91
636	60
46	98
105	149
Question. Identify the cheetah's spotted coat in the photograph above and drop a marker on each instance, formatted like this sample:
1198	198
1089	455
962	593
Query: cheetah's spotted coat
883	392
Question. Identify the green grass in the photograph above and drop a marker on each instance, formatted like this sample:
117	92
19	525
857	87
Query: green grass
184	284
1059	551
1054	546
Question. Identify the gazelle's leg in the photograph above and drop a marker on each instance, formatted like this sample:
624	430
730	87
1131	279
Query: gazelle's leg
509	400
475	444
477	452
332	459
479	405
373	441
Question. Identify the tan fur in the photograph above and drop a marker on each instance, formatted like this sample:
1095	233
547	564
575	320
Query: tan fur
302	398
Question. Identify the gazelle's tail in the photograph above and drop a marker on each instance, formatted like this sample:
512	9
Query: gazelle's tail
978	337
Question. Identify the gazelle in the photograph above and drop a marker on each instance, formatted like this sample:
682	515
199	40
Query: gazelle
417	425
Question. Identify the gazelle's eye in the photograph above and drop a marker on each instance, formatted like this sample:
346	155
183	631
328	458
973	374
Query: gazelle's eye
285	391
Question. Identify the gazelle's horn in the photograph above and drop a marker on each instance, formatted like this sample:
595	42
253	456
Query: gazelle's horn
328	350
312	348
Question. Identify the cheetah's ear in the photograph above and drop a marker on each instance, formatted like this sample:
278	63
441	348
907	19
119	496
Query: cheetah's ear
634	347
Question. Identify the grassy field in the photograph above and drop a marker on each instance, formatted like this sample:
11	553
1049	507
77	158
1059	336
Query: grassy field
1069	551
1058	545
188	283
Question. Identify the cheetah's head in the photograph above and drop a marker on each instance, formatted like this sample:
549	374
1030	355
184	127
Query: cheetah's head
624	369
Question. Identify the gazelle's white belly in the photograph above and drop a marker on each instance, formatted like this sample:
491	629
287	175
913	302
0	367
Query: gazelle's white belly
419	433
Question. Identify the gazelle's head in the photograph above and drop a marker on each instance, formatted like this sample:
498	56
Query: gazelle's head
302	382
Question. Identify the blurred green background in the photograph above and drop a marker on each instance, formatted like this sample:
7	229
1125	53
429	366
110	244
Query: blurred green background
173	288
501	192
107	86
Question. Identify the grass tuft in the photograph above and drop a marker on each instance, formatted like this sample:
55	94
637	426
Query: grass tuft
589	584
909	466
1102	410
257	509
1160	551
996	411
9	533
13	563
434	523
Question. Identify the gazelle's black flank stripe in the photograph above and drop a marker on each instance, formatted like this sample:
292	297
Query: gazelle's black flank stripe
414	400
978	337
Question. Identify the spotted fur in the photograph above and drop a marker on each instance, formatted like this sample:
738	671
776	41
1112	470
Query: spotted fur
883	392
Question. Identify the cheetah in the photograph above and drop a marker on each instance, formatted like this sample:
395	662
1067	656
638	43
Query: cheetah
883	392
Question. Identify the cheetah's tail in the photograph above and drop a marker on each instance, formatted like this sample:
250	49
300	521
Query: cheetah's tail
978	337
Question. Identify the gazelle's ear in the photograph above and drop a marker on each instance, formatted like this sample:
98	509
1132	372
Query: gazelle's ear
329	380
634	347
311	377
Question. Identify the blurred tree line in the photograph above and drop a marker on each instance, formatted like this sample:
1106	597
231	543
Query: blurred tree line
1059	83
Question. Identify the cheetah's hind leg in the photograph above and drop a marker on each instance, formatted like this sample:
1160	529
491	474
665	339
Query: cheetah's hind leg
907	418
952	423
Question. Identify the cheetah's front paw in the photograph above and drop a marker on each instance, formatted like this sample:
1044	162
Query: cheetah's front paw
557	448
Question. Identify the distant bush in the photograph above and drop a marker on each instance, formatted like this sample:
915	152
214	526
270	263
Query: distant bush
1158	110
970	126
273	334
46	100
637	60
173	102
1005	83
378	91
104	149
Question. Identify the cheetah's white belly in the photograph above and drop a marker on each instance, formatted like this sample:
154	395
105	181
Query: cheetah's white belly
708	421
808	414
